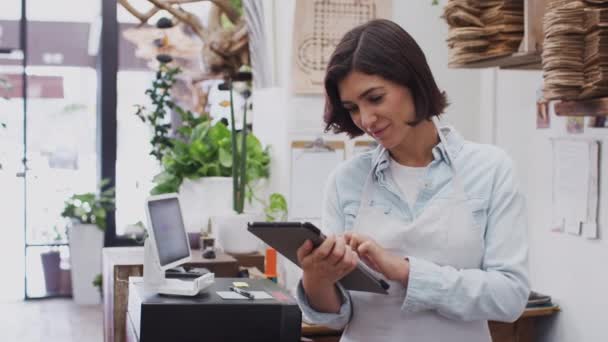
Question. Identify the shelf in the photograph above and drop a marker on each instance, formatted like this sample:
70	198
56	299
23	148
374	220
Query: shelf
593	107
518	60
528	56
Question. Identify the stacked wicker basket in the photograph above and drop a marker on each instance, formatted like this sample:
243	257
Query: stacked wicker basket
483	29
574	51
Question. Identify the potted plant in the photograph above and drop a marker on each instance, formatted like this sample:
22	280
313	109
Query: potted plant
54	276
198	160
87	215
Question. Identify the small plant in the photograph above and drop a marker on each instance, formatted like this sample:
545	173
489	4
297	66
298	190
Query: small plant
90	208
141	234
98	282
276	210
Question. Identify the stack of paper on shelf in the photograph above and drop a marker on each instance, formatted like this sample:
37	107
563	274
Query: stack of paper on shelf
563	63
596	51
482	29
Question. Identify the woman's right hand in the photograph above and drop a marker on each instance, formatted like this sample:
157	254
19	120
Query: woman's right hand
328	263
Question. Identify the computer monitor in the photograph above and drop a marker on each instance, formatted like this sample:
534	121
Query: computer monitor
167	231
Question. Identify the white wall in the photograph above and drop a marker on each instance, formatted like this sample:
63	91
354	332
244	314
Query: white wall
569	268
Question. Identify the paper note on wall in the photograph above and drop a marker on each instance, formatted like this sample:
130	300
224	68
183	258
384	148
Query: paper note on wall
575	182
590	228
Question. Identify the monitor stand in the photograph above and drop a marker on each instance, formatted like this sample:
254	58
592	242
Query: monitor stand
155	281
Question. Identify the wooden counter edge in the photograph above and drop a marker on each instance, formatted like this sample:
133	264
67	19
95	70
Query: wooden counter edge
540	311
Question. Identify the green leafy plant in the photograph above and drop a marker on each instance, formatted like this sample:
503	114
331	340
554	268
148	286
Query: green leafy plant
159	94
276	210
207	152
435	2
90	208
200	149
98	282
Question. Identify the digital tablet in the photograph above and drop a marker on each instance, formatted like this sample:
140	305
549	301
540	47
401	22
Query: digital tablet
287	237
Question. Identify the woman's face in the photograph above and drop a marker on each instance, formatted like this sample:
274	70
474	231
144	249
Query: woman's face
379	107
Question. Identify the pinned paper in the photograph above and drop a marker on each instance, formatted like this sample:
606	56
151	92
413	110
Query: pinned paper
576	187
573	227
590	230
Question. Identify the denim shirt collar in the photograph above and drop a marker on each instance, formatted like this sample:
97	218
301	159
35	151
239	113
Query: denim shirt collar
453	145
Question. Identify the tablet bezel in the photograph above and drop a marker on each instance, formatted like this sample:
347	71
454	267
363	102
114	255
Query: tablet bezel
361	278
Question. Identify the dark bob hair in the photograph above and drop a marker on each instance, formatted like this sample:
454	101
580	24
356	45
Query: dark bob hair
380	47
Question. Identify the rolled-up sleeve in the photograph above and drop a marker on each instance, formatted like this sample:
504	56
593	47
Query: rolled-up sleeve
499	290
332	223
332	320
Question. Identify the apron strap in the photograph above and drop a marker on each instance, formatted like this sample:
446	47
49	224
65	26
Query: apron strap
444	140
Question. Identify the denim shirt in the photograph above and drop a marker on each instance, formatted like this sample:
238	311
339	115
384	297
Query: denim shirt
499	289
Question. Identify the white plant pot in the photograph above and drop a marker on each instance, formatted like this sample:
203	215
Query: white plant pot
86	242
202	198
232	234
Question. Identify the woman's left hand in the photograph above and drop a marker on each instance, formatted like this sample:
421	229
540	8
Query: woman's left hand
392	266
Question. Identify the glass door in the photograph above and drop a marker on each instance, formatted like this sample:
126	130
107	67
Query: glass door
12	183
62	160
48	148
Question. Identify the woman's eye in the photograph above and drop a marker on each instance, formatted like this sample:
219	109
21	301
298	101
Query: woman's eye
375	99
352	110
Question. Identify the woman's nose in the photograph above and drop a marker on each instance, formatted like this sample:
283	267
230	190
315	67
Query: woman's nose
367	119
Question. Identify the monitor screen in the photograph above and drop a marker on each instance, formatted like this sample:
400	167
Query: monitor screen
169	231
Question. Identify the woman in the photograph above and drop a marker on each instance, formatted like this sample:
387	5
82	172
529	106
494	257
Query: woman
439	217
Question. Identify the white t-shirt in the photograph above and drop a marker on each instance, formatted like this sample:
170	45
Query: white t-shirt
408	178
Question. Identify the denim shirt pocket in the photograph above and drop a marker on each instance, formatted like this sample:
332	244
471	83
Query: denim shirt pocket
383	206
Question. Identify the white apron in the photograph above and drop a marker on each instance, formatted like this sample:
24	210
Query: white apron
445	233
